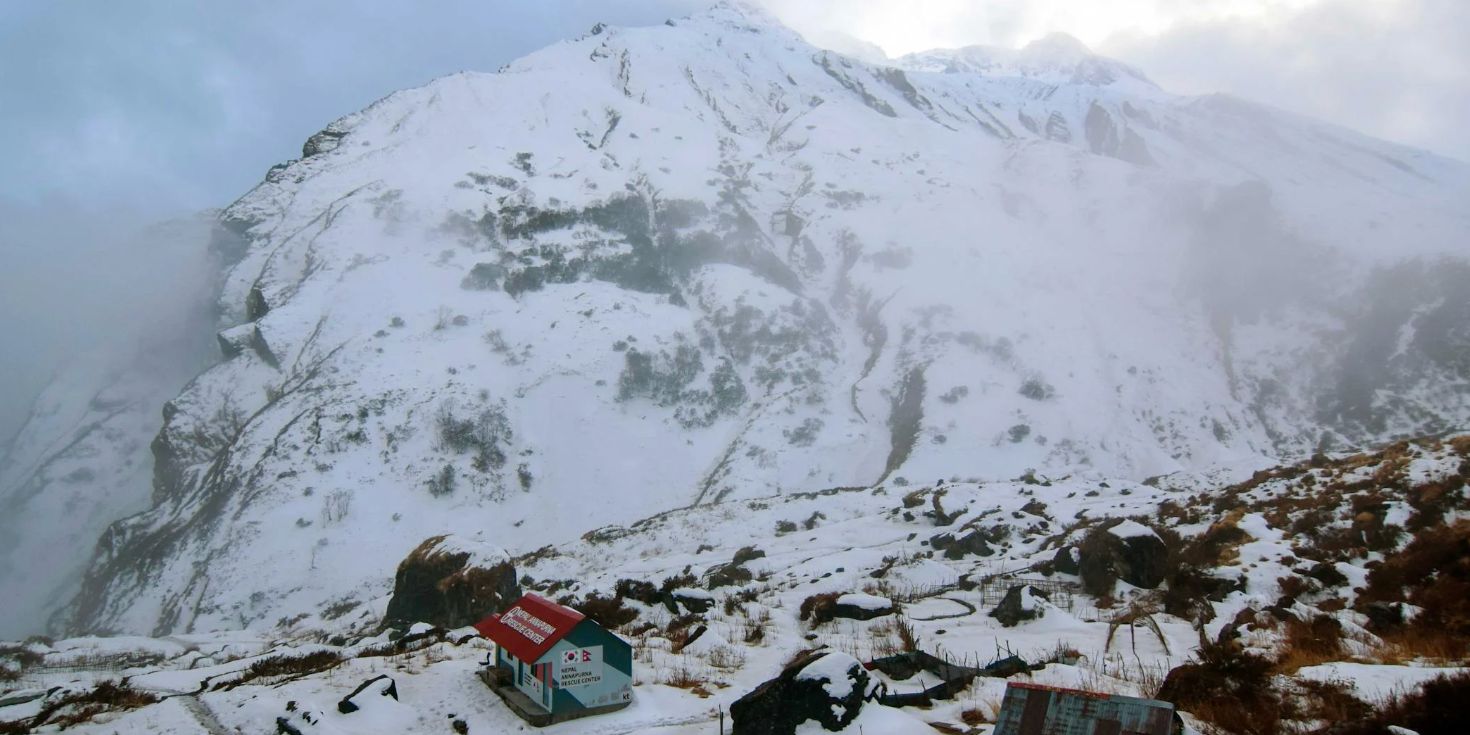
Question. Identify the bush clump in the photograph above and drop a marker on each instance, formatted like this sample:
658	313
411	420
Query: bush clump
637	589
609	612
819	608
1438	708
1229	687
283	665
80	707
1432	572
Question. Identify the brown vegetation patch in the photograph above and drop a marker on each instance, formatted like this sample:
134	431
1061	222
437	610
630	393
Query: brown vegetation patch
609	612
819	608
1229	688
83	706
1433	572
274	667
1309	643
1436	709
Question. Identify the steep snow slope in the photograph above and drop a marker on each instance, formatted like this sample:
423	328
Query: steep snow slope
705	261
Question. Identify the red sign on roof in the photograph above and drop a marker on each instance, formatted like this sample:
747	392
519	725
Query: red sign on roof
530	627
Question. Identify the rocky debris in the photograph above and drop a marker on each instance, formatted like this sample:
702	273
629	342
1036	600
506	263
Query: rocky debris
452	582
381	686
821	685
1021	603
858	606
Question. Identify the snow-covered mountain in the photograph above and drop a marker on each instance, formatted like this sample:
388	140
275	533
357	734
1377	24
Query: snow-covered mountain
706	261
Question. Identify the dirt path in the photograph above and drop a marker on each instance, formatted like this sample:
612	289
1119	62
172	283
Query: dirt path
204	715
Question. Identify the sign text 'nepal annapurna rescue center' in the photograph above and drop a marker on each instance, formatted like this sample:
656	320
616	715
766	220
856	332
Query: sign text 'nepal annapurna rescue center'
552	664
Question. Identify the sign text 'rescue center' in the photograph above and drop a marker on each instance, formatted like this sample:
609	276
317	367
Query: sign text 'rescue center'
577	667
526	624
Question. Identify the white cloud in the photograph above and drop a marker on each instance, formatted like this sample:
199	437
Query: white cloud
1395	69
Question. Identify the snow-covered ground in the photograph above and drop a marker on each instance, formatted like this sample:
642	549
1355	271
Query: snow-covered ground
871	545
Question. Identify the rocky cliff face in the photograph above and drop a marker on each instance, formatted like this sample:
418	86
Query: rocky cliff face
706	261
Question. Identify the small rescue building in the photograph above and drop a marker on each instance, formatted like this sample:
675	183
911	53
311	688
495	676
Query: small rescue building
552	664
1033	709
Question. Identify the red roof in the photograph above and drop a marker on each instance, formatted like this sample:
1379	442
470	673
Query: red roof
529	628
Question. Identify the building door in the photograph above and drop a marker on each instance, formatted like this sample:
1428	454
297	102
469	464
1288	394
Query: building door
531	684
541	673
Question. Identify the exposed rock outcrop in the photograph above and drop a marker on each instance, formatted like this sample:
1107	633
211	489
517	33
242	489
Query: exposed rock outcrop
825	686
1129	551
859	606
452	582
1021	603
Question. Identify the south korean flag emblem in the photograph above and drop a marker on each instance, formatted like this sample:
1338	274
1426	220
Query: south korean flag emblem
569	657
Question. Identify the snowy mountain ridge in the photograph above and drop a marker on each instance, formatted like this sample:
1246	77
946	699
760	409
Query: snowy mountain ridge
705	261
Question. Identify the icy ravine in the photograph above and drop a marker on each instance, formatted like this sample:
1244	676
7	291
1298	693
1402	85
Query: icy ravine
707	261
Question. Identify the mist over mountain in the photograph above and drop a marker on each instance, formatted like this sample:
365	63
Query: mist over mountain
705	261
756	350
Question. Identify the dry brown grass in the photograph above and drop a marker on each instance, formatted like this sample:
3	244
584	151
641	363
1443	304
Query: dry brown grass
684	676
1433	572
1423	644
1309	643
908	640
885	639
274	667
1438	708
1228	687
753	630
727	658
819	607
81	707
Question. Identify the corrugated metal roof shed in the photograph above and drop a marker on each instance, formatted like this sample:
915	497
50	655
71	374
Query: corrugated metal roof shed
1033	709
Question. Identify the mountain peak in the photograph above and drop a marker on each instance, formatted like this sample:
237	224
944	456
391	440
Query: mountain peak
1058	46
751	13
1056	58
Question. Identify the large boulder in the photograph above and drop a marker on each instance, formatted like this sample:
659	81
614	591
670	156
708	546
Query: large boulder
825	686
1065	560
1021	603
958	547
1129	551
859	606
693	599
452	582
381	685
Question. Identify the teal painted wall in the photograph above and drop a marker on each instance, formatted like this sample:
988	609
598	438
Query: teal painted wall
616	685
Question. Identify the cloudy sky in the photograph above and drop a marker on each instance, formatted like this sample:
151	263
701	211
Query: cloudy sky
114	114
156	102
1395	69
